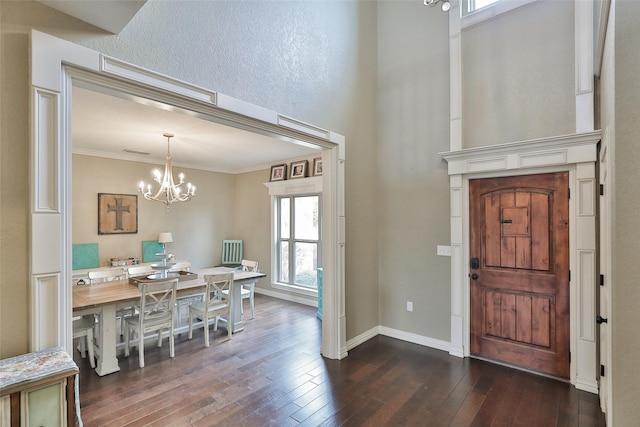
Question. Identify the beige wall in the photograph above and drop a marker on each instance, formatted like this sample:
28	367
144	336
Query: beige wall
625	288
198	226
518	75
413	185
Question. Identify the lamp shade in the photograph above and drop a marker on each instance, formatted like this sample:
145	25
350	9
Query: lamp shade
165	237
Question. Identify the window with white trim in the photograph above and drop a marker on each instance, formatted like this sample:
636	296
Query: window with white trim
298	240
470	6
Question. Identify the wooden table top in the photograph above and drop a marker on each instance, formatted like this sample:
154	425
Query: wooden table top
118	291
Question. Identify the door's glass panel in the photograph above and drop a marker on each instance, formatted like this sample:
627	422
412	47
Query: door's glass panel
306	218
306	268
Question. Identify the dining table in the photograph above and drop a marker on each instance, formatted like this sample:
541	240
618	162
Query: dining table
104	299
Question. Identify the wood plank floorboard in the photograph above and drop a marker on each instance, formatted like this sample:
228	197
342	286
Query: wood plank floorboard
272	374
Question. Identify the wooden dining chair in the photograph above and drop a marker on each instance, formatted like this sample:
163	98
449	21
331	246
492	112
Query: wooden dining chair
217	302
157	307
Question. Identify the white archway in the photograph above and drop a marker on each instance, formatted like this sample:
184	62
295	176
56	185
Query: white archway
54	65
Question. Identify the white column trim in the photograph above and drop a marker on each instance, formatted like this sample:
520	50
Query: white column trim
584	66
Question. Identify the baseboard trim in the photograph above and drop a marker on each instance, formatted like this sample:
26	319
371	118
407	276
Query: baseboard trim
401	335
311	301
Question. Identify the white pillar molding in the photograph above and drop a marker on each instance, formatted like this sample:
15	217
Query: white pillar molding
55	65
584	61
455	78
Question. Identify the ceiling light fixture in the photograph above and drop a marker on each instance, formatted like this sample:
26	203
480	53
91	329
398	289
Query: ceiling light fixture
169	191
445	4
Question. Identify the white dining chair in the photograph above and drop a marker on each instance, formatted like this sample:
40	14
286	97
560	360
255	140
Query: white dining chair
140	270
157	308
247	291
105	275
83	328
181	266
217	302
108	275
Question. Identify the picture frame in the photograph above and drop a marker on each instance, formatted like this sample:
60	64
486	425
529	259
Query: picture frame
298	169
317	166
117	213
278	172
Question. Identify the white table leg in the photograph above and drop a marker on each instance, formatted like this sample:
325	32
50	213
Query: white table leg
107	360
236	312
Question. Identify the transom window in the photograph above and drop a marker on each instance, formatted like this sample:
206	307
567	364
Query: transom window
470	6
298	240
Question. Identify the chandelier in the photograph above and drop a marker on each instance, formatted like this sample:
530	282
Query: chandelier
169	191
445	4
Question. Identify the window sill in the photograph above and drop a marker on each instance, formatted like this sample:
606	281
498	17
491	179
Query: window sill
301	290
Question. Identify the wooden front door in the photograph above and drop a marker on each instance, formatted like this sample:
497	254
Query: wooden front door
519	232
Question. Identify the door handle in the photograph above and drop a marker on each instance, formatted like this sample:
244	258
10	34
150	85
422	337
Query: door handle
600	320
474	276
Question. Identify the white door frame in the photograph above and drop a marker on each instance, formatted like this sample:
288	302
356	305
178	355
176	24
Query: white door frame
576	154
54	65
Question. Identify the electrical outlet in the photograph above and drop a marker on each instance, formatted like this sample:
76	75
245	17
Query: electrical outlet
409	306
444	250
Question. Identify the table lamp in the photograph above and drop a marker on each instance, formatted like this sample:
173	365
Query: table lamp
164	238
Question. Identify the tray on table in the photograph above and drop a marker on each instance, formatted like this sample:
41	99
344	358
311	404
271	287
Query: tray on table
181	276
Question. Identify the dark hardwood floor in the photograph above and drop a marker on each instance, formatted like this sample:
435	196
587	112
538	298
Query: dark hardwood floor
272	374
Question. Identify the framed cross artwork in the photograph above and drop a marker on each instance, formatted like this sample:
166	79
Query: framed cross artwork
117	213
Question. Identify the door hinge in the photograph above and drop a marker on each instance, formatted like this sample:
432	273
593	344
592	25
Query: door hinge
569	193
602	370
569	357
569	275
602	280
602	189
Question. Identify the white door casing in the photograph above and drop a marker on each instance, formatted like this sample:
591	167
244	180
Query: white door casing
576	154
55	64
605	159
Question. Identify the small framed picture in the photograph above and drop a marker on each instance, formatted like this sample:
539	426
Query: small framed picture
278	172
299	169
317	166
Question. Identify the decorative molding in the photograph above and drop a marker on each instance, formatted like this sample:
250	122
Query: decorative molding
290	123
603	23
415	338
543	152
295	186
115	67
300	299
45	157
586	295
46	331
